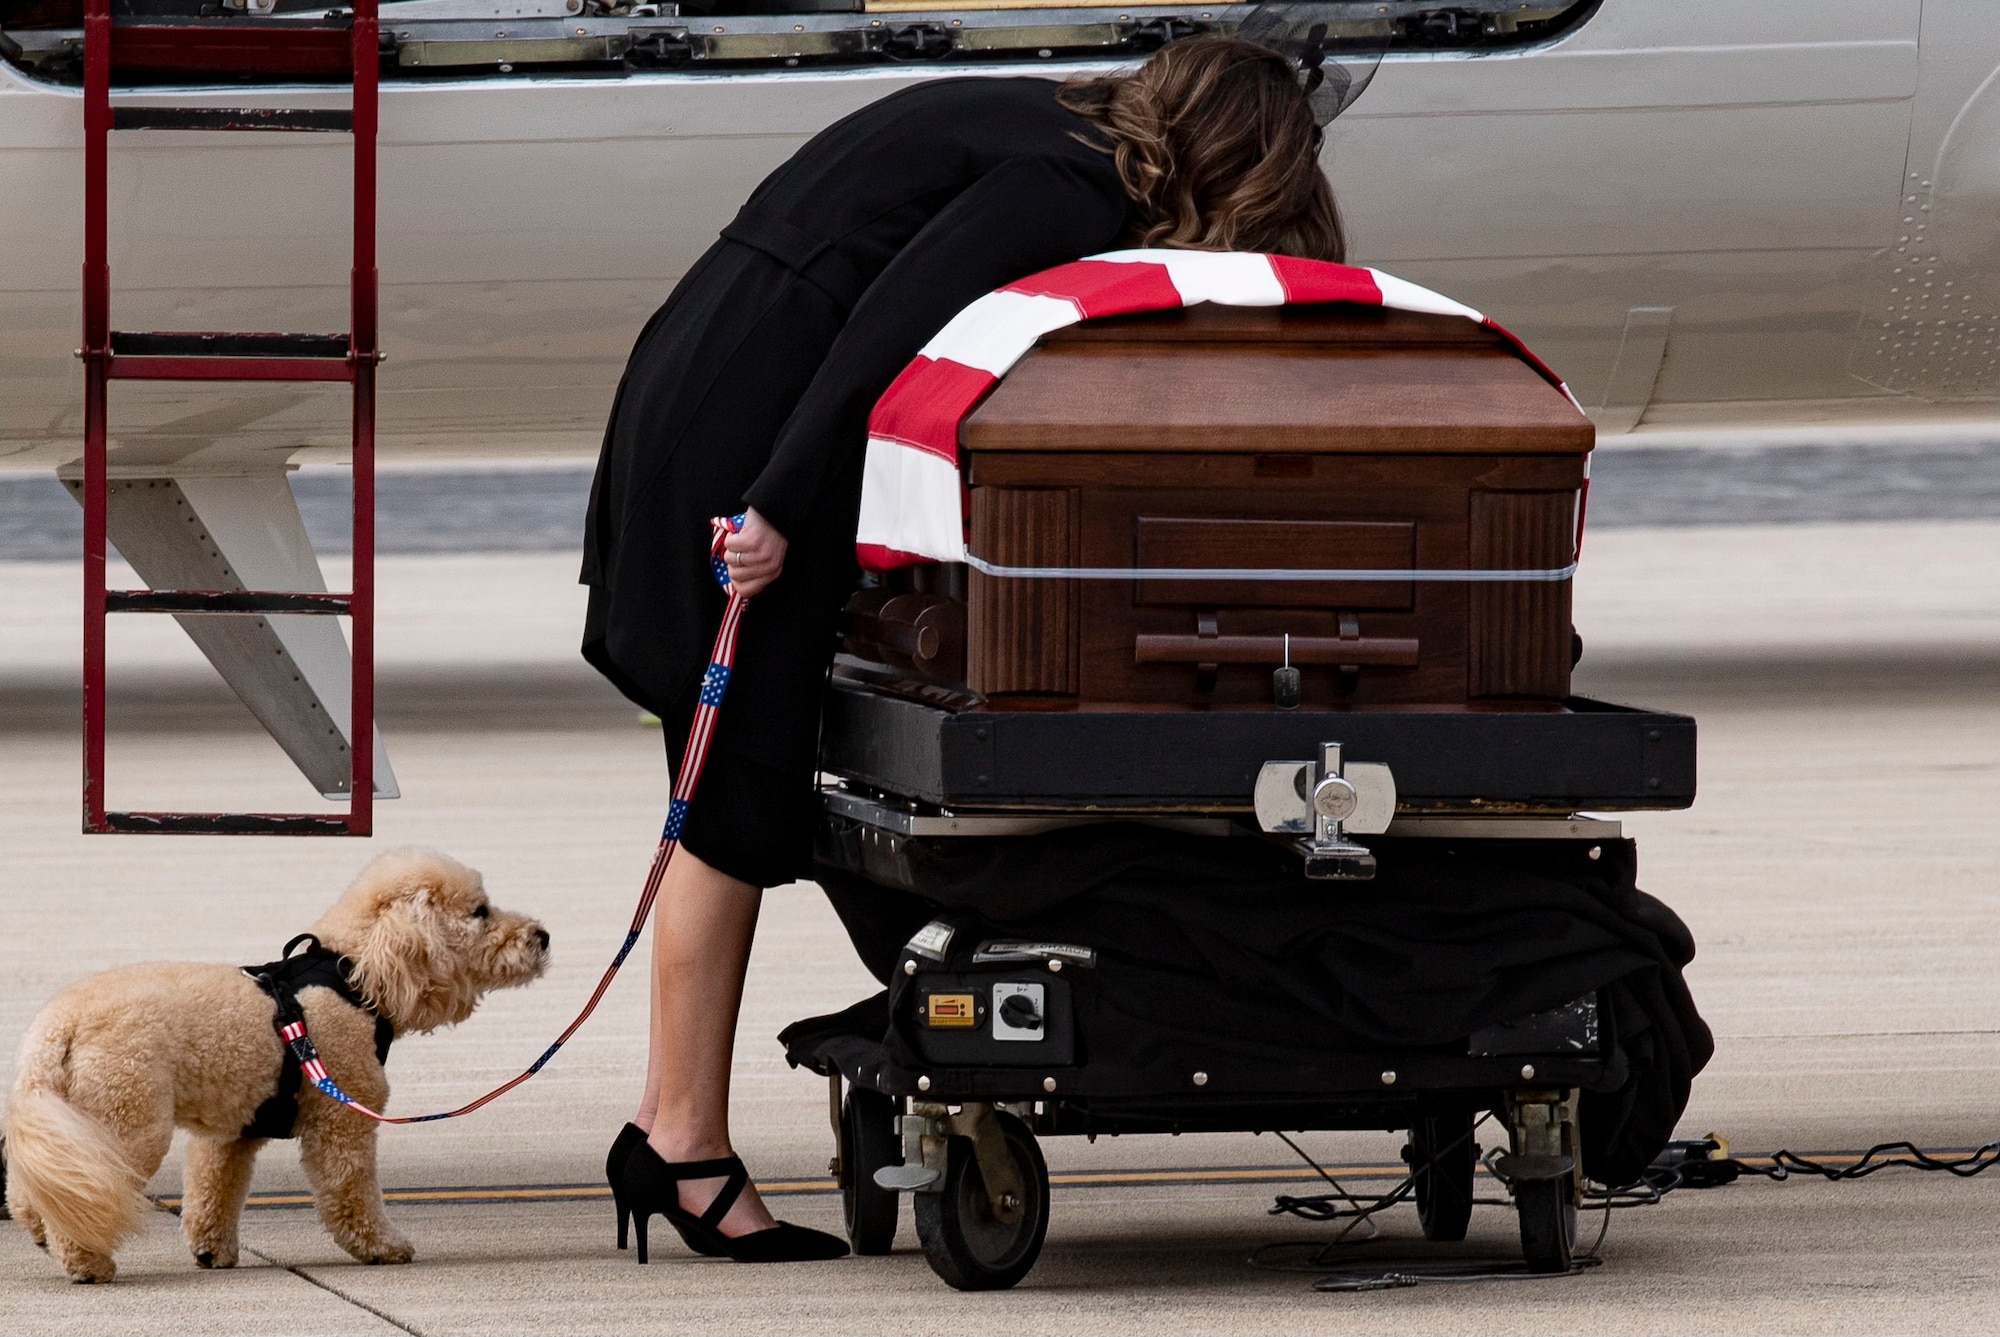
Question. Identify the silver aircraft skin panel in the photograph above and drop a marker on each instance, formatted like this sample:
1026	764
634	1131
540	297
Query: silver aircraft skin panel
1694	209
1705	214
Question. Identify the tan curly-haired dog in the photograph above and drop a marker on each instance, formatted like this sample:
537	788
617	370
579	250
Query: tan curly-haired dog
117	1061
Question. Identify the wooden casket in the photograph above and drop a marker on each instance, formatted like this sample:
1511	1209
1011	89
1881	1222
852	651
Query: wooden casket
1331	438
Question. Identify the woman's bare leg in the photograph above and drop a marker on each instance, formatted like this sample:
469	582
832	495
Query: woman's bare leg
702	926
649	1094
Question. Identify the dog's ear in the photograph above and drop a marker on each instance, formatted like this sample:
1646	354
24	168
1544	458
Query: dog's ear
397	960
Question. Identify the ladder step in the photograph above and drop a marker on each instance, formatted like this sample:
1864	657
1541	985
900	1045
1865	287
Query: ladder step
227	369
326	120
167	356
225	601
167	343
158	45
226	824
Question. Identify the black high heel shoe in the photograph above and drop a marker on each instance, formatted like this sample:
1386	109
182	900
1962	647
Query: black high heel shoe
652	1186
629	1137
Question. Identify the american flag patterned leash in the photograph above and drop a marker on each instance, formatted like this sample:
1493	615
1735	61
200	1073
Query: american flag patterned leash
292	1027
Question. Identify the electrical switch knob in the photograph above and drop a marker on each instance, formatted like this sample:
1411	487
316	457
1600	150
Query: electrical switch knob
1334	799
1020	1012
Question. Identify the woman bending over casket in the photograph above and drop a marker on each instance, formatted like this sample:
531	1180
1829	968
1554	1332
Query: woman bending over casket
749	391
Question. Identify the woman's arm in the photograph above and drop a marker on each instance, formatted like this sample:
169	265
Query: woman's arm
1019	218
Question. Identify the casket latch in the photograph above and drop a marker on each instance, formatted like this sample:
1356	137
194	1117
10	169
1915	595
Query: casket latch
1326	803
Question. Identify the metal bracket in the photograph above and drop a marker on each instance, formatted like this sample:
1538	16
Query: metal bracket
927	1131
1004	1190
922	1170
1324	801
1543	1123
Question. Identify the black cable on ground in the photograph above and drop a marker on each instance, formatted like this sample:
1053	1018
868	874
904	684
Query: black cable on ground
1706	1163
1881	1156
1695	1163
1319	1255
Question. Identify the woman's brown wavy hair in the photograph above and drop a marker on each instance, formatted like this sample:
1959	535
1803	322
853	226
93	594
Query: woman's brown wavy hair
1216	143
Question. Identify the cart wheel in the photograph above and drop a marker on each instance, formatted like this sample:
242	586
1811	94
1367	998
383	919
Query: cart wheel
1547	1208
1443	1157
963	1241
867	1143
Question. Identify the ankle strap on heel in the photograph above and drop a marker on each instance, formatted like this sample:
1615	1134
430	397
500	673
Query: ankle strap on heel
728	1168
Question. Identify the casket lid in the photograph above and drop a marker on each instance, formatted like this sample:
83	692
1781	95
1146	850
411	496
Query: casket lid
1336	378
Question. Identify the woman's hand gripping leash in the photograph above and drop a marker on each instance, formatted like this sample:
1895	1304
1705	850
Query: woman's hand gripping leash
754	552
766	561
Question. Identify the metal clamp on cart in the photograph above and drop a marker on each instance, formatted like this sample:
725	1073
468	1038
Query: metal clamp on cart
1326	804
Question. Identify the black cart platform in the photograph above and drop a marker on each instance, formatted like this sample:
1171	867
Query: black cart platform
1587	756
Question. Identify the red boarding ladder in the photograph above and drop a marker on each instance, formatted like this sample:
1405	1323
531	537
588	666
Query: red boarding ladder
319	49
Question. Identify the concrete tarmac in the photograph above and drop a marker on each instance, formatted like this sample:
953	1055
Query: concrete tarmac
1838	871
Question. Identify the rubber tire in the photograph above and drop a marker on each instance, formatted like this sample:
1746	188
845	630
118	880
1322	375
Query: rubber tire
1444	1182
868	1142
962	1242
1547	1208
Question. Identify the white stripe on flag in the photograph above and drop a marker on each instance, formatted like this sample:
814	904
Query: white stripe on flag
996	330
910	502
1232	278
1403	295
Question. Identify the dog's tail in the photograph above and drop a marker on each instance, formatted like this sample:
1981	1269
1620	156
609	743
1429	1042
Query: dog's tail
63	1165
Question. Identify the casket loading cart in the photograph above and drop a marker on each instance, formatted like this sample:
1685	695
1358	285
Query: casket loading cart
987	702
1001	1041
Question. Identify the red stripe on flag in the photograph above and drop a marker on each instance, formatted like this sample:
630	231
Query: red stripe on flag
923	406
1104	287
875	557
1324	281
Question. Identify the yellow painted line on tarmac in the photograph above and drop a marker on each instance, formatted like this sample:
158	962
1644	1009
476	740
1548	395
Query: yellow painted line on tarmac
782	1187
1235	1174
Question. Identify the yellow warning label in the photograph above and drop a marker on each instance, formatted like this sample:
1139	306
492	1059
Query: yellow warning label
951	1009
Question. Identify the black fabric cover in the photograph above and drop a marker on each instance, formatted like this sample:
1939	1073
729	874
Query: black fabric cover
1209	942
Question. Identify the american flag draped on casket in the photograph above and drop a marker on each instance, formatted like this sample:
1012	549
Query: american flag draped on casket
912	497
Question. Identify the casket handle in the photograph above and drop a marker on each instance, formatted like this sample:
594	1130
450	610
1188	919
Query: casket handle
1373	651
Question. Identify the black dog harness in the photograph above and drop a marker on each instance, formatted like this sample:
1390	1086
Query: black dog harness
282	979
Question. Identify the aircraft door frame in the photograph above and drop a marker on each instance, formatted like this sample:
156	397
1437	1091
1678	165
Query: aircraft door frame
1932	326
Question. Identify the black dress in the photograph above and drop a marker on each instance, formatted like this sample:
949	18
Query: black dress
752	386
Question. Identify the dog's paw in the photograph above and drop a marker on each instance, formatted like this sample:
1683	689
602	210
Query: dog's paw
83	1266
221	1256
393	1249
